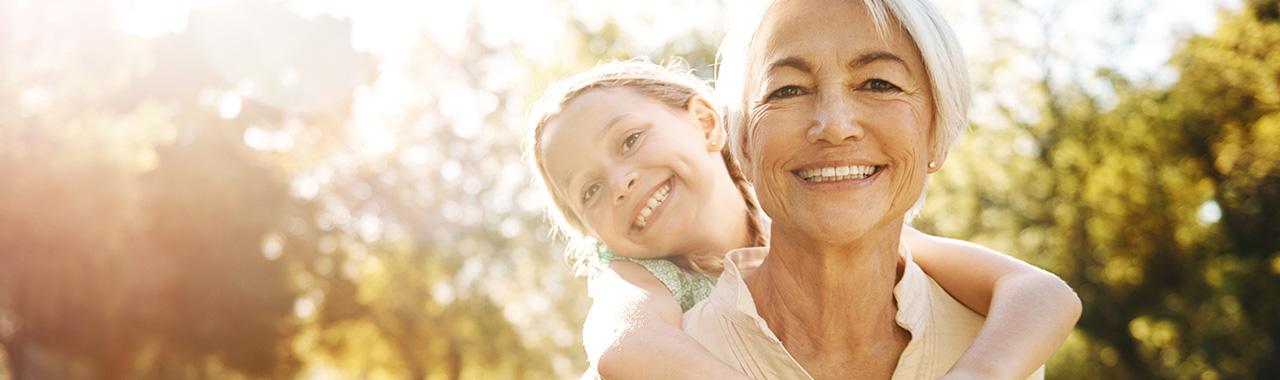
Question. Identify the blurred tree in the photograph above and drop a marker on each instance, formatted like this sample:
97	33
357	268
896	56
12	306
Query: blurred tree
133	215
1160	210
421	244
242	198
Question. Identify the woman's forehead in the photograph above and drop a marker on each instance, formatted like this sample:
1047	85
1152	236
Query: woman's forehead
823	25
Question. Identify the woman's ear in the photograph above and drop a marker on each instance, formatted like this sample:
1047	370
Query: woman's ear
935	161
714	135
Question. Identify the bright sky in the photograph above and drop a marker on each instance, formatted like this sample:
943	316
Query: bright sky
1134	36
387	28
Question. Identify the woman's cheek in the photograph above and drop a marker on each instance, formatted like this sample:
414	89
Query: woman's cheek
766	149
915	112
756	150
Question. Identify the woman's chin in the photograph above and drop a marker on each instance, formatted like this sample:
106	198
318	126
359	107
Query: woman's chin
839	225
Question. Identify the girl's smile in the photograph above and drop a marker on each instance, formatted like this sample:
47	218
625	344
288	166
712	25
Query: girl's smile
647	213
644	177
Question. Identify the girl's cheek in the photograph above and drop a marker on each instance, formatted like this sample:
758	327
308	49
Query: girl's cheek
592	218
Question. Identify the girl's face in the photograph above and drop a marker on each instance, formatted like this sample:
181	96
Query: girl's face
840	121
641	175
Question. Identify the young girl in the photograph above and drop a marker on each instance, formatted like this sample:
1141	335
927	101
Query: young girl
634	158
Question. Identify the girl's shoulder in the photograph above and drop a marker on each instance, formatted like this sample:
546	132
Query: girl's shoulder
688	287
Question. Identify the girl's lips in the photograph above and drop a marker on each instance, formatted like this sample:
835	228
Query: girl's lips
663	191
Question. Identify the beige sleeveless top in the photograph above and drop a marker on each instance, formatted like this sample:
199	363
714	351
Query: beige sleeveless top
729	326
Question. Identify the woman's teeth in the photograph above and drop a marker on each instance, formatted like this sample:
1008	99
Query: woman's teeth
658	197
837	173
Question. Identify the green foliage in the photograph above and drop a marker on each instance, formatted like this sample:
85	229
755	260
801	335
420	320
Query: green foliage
1124	204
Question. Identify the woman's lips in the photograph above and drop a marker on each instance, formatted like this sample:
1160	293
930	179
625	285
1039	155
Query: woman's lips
837	173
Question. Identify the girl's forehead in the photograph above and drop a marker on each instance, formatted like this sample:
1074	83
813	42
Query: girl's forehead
572	141
594	112
589	113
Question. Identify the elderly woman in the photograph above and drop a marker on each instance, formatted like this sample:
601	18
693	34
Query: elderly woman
846	108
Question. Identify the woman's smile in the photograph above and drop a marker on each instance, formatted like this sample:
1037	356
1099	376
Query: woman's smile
837	173
829	177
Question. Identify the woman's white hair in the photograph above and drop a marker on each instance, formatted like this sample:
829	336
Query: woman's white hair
944	61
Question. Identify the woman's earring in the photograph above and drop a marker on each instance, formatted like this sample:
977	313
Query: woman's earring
933	164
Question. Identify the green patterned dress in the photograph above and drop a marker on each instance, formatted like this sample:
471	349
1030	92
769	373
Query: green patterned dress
688	287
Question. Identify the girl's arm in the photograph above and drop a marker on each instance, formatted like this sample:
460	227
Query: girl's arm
633	331
1029	311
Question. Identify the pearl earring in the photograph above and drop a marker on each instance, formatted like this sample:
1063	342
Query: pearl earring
933	165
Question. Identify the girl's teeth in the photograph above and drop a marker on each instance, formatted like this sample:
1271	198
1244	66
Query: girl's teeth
657	199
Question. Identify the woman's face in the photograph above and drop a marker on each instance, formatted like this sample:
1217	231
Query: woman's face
840	120
638	173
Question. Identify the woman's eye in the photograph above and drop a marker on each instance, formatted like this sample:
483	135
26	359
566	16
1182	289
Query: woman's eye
880	85
630	141
590	192
786	92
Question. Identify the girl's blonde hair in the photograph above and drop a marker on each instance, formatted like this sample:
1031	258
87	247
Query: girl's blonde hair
668	85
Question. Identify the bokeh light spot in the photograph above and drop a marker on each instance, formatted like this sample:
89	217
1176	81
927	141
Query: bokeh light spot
1209	212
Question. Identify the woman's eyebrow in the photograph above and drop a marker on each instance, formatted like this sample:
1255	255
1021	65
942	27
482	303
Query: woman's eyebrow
869	58
792	62
857	63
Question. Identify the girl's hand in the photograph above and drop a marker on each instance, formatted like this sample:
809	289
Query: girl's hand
965	374
1029	311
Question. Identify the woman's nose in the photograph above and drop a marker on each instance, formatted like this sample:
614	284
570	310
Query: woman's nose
835	118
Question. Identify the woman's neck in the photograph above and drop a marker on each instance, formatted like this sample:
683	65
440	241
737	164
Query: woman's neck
832	306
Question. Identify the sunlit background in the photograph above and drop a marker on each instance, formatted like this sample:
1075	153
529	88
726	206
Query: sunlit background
324	189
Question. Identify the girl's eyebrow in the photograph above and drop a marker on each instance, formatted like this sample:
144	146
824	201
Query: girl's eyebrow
608	126
569	181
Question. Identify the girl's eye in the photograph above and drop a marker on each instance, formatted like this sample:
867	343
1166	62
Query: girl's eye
880	85
590	192
630	141
785	92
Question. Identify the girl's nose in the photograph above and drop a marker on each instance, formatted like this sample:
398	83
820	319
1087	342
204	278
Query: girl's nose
622	185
